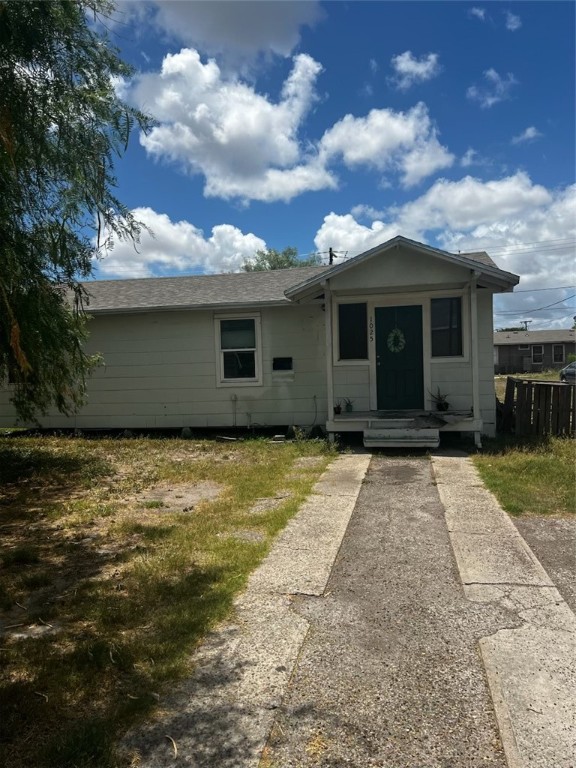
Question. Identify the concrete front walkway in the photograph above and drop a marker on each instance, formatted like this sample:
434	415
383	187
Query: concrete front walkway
531	668
417	632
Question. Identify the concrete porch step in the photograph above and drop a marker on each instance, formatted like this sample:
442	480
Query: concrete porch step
401	437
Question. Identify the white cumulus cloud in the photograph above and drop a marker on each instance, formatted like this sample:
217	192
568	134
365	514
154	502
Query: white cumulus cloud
249	147
506	217
404	142
469	158
344	233
478	13
513	22
410	70
497	89
459	213
178	247
235	30
470	202
530	134
244	144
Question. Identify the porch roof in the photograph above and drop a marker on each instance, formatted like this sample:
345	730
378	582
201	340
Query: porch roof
478	262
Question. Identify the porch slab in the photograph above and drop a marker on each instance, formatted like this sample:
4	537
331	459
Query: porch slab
360	421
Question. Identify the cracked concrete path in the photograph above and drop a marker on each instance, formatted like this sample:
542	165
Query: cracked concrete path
418	632
222	716
390	674
531	668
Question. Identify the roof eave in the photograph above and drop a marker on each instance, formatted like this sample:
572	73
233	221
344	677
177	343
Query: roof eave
226	307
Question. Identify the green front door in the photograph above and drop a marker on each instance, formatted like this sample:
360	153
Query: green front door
399	365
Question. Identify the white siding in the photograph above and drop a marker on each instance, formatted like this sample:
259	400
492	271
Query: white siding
353	382
398	269
160	371
161	367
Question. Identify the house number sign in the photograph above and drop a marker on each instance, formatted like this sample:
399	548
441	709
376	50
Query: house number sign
371	329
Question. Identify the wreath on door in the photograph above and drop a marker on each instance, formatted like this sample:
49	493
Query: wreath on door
396	341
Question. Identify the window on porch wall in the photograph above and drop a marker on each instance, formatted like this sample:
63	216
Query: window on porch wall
446	327
353	331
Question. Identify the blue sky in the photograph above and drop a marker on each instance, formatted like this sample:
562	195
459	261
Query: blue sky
342	124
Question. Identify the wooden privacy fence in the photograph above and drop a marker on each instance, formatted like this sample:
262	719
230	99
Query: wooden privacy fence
537	407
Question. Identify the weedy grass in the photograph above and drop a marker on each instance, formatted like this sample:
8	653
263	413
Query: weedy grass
105	593
531	476
500	380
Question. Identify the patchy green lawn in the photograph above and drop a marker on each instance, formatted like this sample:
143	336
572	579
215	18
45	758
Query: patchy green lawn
531	476
117	556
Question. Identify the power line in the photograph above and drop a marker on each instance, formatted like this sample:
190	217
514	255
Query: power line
527	310
567	298
558	243
535	246
534	290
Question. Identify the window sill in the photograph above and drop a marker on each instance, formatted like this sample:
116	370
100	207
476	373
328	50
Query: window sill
239	383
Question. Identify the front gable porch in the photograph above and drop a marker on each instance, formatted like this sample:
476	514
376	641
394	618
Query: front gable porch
404	321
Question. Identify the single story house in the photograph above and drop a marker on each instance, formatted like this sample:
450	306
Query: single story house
386	330
532	351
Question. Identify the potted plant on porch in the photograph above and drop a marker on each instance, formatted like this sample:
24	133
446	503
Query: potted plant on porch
441	400
348	403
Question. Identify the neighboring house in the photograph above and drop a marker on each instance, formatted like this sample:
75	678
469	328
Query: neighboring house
386	329
532	351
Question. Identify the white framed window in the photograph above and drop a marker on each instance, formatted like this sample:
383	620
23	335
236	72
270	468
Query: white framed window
238	350
558	353
537	353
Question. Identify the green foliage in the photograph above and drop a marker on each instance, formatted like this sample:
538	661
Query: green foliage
272	259
530	475
62	126
571	358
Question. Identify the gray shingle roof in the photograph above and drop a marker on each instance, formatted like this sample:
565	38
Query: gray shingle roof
196	291
480	256
525	338
224	291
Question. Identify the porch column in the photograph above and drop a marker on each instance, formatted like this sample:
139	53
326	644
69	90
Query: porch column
474	353
329	368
